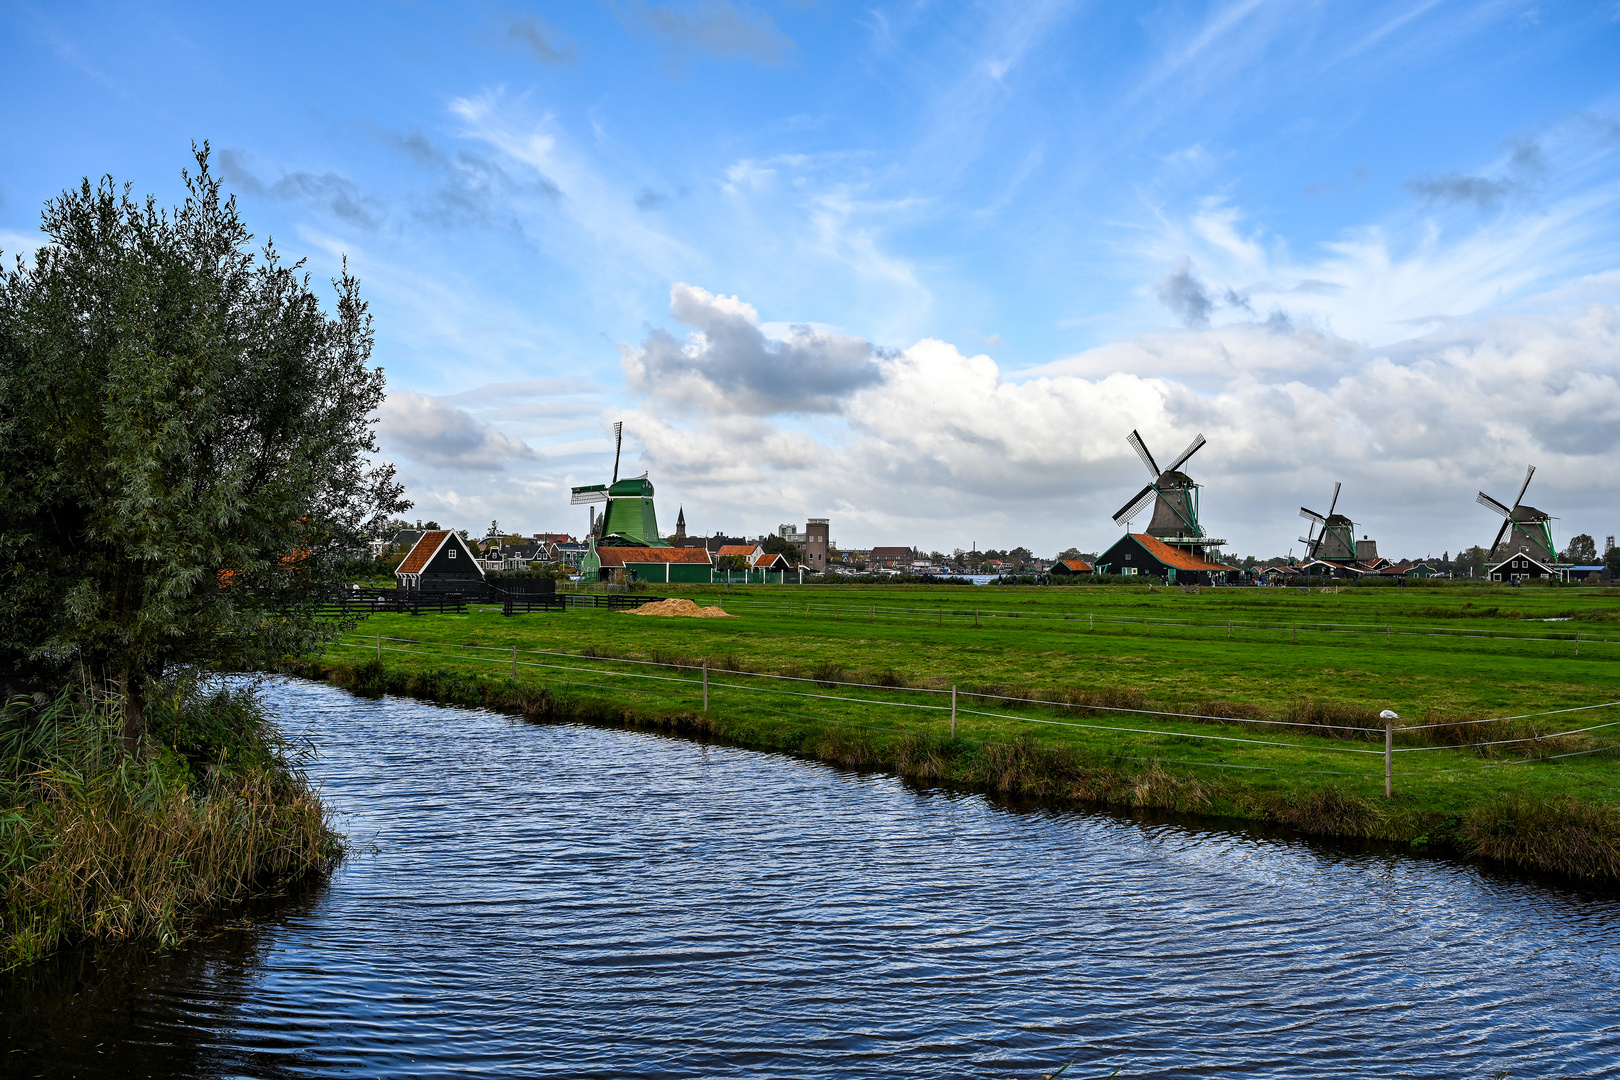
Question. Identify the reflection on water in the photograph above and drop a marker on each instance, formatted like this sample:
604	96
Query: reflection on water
570	901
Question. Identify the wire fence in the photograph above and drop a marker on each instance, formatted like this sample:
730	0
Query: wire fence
1386	629
695	678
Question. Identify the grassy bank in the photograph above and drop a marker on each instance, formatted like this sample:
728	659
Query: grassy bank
1090	652
99	845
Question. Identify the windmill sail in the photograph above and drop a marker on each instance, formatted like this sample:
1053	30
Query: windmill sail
1524	529
1172	495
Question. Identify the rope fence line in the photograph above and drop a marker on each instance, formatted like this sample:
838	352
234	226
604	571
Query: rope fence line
506	649
1386	753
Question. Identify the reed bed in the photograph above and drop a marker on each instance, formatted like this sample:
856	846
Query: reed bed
97	844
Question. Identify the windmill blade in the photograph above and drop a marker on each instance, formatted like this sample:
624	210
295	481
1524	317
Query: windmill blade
1486	500
1337	484
1134	507
1192	449
1142	452
1311	515
1531	471
1507	524
618	441
596	493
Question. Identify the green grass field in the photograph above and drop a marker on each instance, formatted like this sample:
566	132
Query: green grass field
1265	658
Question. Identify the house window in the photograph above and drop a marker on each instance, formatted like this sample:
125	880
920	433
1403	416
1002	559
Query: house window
452	553
1129	569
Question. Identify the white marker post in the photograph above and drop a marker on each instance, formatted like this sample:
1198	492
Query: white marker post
1389	716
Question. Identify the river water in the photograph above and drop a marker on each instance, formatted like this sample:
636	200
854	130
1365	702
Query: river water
570	901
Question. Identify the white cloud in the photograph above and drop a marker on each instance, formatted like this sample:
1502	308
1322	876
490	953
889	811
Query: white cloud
430	432
728	365
946	448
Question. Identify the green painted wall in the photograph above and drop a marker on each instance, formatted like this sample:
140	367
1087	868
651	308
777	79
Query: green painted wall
630	514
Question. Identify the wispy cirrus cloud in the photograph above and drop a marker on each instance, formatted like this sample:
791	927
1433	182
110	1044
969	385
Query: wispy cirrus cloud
719	28
543	41
327	192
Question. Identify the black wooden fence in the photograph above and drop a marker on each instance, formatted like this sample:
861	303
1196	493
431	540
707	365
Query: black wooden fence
362	601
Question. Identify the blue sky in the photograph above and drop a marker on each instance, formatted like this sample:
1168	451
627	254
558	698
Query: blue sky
916	267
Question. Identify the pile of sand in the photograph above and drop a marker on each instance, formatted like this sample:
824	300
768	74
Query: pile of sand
680	609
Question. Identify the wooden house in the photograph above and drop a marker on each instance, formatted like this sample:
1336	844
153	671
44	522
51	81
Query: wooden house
1521	566
648	564
440	561
1140	554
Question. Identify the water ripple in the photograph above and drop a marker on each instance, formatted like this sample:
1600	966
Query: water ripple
571	901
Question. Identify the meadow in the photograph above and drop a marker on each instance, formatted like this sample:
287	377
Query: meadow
1063	691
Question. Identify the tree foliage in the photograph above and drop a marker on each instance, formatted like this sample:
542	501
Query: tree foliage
184	442
1582	550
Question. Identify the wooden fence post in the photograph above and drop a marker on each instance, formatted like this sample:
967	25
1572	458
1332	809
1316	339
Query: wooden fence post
1389	635
379	648
514	661
705	686
953	712
1228	629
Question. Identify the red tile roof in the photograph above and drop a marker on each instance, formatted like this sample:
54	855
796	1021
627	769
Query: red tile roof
1079	566
1175	557
770	559
423	552
745	550
621	556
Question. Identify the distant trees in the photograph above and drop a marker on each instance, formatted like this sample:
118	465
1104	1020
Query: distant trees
776	545
1582	551
1611	560
185	442
1471	562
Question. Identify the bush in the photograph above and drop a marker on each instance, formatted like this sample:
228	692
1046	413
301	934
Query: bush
97	843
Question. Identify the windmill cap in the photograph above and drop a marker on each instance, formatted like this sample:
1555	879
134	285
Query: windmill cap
628	488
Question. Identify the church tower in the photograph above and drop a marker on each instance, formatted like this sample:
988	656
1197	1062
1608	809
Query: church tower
680	524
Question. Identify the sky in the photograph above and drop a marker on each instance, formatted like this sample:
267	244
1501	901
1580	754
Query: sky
917	267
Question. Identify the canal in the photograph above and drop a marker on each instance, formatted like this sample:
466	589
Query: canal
570	901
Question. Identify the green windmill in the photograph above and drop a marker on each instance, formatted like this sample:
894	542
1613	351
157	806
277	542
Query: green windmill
1525	530
1337	540
629	520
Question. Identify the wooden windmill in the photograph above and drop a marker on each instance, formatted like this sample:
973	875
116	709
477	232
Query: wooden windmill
1337	540
1525	530
629	519
1174	497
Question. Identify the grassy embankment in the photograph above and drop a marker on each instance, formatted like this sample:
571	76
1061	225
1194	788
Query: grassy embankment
100	845
1445	655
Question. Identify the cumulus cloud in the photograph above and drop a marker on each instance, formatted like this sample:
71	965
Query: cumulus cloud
941	438
717	27
433	433
329	192
727	364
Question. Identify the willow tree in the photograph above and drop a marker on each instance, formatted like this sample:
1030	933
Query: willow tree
185	443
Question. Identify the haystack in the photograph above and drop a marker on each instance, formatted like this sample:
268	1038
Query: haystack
680	609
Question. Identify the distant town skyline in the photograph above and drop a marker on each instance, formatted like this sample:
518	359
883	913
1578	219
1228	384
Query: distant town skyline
916	268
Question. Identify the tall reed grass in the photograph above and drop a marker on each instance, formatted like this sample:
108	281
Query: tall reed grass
99	844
